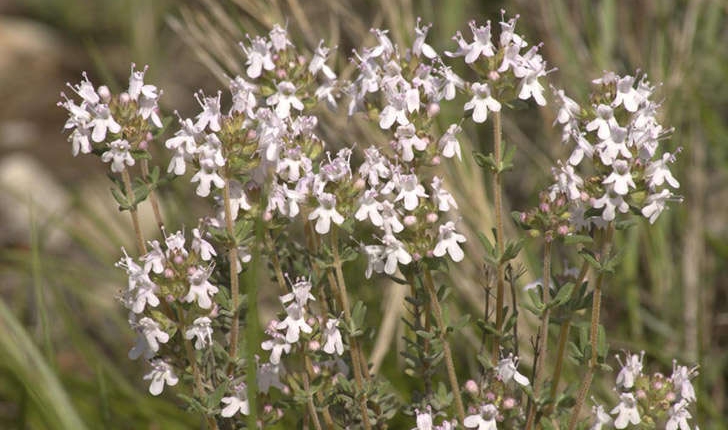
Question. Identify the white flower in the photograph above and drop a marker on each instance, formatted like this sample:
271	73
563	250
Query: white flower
567	182
394	111
448	144
603	122
269	375
201	246
424	419
655	204
481	45
680	378
259	57
507	370
243	95
155	259
626	411
284	99
184	145
370	207
211	159
277	346
531	87
318	62
610	204
419	46
301	292
448	240
410	190
210	115
407	138
200	288
621	178
484	420
679	416
658	173
279	38
161	373
601	418
201	330
119	155
332	337
374	166
236	403
326	213
442	198
450	83
150	335
140	290
86	90
482	102
375	259
627	95
394	252
631	370
295	323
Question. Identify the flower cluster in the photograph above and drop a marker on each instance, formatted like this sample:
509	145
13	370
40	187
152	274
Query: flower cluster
616	142
113	125
649	398
177	275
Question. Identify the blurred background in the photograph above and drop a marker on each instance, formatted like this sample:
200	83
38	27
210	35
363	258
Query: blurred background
63	336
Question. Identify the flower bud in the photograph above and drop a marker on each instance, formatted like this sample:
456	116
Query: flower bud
471	386
493	75
178	259
301	60
169	298
104	93
124	98
416	256
410	220
281	73
143	145
251	134
267	216
316	369
563	230
268	408
544	207
215	310
657	385
670	397
509	403
433	109
436	160
168	273
314	345
490	396
359	184
641	394
431	218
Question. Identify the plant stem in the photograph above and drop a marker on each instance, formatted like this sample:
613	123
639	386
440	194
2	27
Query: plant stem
276	262
309	402
543	334
563	338
594	330
499	233
234	281
141	248
152	196
449	364
339	287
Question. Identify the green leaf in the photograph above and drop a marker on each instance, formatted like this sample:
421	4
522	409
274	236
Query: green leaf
485	161
511	251
589	257
563	295
213	400
577	238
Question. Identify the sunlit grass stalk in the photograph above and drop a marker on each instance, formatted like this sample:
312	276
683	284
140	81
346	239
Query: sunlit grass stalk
499	233
543	338
594	329
141	248
234	281
449	364
339	286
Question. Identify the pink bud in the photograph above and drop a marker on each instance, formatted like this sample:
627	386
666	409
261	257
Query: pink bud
641	394
657	385
509	403
215	311
433	109
191	270
143	145
168	273
316	369
431	217
314	345
493	75
471	386
279	411
104	93
267	216
430	254
169	298
281	73
268	408
359	184
272	325
311	321
490	396
416	256
301	60
276	57
251	134
584	196
410	220
670	397
563	230
178	259
436	160
544	207
124	98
